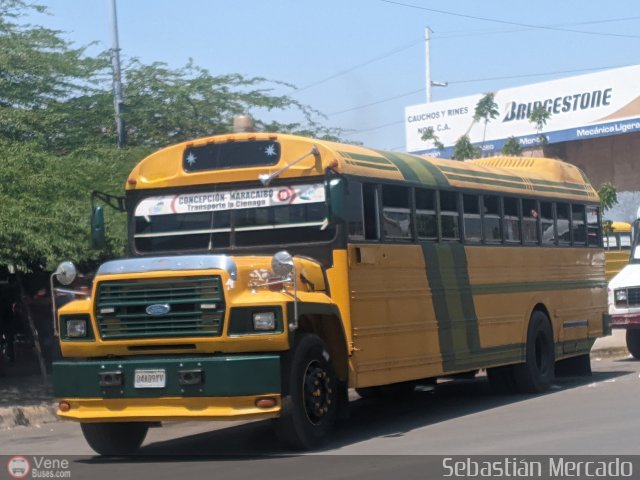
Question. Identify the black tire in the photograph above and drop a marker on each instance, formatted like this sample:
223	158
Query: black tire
394	390
633	342
310	405
115	439
537	373
502	379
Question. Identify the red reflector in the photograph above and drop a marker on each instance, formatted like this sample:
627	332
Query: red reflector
64	406
132	181
265	402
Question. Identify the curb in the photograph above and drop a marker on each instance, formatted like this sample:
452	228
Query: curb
27	416
609	352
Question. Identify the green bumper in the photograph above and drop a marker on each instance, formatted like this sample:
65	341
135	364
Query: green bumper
223	376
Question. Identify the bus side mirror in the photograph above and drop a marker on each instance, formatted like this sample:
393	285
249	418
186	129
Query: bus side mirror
98	241
335	189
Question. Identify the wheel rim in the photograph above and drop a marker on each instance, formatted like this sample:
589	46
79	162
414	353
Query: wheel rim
317	392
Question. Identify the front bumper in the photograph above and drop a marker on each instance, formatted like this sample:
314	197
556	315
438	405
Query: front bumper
230	389
625	320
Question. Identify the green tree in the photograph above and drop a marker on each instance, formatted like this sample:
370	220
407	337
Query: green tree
608	196
430	135
464	149
486	109
539	117
512	147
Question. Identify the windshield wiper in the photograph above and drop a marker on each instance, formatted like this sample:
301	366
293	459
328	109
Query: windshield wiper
267	178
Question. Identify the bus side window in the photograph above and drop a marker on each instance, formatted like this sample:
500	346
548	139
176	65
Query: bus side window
511	220
530	215
546	220
370	204
396	212
355	222
593	227
449	215
491	219
563	223
471	216
426	220
578	225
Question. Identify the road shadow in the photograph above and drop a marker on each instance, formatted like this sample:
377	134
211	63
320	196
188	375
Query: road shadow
369	418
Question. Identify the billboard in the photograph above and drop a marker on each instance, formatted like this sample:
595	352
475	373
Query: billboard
585	106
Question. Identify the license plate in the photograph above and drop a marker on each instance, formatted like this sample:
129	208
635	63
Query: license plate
150	378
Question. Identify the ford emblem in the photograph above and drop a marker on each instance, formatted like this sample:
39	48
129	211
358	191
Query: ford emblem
158	309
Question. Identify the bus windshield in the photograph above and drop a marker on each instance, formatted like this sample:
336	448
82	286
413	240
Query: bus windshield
212	220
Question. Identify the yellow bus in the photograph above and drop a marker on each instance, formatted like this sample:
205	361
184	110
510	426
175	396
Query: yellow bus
617	245
269	273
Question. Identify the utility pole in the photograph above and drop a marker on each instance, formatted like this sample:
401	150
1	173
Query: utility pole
118	99
429	83
427	39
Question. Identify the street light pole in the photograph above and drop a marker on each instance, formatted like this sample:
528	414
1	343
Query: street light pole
118	99
427	39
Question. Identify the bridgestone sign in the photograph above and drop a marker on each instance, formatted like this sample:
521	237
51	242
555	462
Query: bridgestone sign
585	106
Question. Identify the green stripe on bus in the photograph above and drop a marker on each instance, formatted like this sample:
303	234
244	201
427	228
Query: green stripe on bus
407	172
519	186
498	176
429	174
496	288
452	297
377	167
366	158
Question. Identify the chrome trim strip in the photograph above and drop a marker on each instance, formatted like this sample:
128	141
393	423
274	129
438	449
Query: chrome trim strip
185	262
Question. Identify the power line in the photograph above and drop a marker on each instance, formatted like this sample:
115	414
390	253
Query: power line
475	80
378	127
507	22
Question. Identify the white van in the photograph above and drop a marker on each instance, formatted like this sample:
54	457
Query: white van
624	295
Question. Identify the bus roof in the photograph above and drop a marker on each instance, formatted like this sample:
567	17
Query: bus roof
541	177
620	227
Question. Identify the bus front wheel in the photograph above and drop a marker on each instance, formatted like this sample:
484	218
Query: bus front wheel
309	410
115	439
633	342
537	373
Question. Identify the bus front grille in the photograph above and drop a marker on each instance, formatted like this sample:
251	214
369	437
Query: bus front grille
160	308
633	296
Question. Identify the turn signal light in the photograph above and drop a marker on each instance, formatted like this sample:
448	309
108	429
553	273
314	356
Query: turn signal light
64	406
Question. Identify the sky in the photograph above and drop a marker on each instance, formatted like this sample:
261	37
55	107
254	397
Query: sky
361	62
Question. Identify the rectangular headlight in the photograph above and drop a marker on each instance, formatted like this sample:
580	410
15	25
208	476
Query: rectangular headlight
263	321
76	328
621	295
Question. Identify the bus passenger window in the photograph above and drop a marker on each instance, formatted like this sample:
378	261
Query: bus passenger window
491	219
370	203
546	220
593	227
563	224
512	220
530	217
578	225
449	216
472	224
426	225
396	212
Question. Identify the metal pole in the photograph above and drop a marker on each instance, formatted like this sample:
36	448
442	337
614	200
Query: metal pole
118	99
427	38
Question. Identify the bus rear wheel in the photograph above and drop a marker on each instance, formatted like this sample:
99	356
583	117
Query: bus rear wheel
633	342
309	410
537	373
115	439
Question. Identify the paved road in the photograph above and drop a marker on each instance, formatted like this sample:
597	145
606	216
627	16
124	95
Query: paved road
589	416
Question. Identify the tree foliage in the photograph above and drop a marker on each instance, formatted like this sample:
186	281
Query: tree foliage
512	147
57	133
430	135
608	196
539	117
464	149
